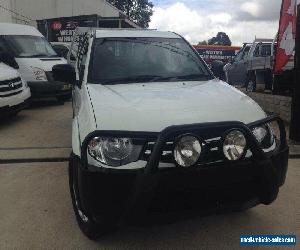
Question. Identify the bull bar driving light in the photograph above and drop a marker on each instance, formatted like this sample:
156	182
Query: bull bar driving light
234	145
187	150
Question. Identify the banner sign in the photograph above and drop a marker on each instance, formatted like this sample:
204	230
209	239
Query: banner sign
62	29
220	53
286	35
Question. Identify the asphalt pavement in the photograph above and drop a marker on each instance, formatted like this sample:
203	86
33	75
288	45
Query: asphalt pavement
36	211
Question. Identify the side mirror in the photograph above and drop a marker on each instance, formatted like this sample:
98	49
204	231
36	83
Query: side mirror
64	73
72	58
8	59
217	67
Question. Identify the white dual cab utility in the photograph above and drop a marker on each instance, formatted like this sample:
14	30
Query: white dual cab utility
24	48
155	132
14	92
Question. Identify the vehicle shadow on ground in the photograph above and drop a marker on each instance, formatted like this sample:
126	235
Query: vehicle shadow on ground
37	104
205	231
10	120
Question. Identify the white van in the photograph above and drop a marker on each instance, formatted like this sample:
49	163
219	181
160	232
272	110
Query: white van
154	130
14	92
25	49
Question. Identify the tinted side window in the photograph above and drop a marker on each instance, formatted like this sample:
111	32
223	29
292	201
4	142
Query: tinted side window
257	51
82	55
266	50
242	55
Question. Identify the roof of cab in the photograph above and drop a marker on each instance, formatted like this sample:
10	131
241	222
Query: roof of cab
100	33
9	29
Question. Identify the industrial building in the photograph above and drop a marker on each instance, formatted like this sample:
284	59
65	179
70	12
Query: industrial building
49	14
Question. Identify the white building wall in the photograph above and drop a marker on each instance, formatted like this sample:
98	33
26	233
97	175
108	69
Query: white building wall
45	9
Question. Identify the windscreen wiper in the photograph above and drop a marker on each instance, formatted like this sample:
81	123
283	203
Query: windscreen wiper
154	78
194	77
131	79
39	55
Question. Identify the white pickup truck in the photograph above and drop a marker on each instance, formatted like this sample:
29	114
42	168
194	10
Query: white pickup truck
155	132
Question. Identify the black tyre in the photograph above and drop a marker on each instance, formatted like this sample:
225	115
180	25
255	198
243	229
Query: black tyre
275	86
251	85
13	114
86	223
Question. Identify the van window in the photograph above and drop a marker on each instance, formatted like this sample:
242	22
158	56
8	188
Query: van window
29	46
127	60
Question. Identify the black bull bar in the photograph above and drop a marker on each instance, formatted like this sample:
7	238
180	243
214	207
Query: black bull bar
148	178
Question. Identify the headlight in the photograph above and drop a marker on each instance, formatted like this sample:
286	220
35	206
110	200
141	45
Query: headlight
24	83
39	74
187	151
264	135
234	145
114	152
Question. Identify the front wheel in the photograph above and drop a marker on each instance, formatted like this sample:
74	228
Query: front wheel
86	223
251	86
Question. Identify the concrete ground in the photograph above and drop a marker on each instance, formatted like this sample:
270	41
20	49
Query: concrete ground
43	131
36	211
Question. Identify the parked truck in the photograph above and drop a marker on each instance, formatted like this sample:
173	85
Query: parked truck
253	68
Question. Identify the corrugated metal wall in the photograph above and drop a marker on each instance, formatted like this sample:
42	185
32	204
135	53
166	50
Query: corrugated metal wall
45	9
5	15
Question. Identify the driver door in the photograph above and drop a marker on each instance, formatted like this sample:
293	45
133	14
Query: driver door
237	73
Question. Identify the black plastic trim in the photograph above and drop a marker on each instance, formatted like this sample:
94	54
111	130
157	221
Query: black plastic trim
12	94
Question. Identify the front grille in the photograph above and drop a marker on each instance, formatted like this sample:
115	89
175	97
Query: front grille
8	87
212	151
7	82
11	94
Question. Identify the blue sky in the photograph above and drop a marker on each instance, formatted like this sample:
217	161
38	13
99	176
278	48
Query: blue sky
199	20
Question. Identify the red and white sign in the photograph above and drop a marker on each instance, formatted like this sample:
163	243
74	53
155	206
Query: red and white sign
56	25
286	34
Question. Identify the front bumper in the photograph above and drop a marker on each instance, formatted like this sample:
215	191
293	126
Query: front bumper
7	110
15	103
124	195
49	89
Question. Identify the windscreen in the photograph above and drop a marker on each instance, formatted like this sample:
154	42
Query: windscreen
29	46
126	60
242	54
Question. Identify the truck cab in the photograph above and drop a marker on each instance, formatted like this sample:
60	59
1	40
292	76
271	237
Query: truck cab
236	71
260	67
31	54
